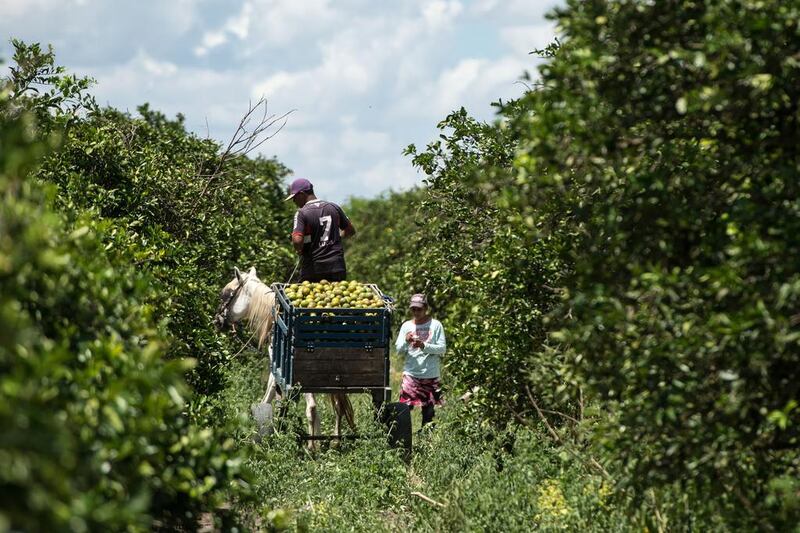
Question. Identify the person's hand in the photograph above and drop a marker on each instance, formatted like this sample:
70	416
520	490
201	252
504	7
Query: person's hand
418	344
410	336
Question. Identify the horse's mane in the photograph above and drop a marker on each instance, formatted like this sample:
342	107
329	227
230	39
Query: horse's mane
260	311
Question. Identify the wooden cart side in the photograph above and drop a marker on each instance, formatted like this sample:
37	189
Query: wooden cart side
328	349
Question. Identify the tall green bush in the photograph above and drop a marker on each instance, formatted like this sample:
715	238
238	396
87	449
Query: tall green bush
387	244
187	226
95	435
191	212
646	192
663	148
496	283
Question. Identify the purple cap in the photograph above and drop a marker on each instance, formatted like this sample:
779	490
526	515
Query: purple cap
418	300
299	185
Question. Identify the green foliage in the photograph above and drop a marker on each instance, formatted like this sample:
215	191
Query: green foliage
507	481
90	411
677	201
37	86
627	234
353	486
108	273
189	212
495	282
486	479
386	245
187	224
615	259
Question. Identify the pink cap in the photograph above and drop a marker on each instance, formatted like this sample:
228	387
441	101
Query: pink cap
418	300
299	185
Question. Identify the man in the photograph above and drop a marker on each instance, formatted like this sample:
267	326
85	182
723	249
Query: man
317	234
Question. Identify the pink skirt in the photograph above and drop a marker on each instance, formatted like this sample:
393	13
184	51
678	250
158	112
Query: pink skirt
421	391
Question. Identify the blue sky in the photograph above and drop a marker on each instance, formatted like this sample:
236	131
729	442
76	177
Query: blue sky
366	78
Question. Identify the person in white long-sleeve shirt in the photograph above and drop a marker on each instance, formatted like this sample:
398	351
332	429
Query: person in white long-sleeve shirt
422	342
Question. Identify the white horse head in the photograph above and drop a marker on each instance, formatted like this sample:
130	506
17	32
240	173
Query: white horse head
246	298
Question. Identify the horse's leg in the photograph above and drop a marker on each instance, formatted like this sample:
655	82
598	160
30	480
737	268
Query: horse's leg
342	407
263	411
337	411
347	410
271	391
313	419
272	386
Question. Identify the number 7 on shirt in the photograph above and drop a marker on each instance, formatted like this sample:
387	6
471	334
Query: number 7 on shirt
325	222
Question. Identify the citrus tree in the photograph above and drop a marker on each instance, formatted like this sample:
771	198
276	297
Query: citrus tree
662	148
630	225
495	283
192	210
95	432
116	233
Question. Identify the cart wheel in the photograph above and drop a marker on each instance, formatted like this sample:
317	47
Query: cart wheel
397	416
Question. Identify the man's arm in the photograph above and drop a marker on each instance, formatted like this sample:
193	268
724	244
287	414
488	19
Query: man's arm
298	232
297	242
346	226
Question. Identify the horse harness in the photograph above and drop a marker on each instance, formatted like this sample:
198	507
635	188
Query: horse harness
227	297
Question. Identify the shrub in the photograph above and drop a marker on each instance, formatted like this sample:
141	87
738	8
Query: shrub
661	147
189	211
495	282
94	430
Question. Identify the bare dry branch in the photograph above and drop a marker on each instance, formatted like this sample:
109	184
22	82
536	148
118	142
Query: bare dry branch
255	128
427	499
535	405
562	415
568	446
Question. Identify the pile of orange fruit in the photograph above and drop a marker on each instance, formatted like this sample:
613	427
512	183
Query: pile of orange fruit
333	294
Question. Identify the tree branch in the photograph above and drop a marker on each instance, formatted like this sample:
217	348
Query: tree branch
248	136
591	460
427	499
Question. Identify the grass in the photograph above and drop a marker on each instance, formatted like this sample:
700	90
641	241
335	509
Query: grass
467	469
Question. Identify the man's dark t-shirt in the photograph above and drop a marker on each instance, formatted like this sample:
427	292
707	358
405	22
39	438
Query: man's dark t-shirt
320	222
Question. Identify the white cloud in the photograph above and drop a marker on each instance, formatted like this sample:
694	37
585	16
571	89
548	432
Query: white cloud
356	141
267	24
441	13
394	63
366	78
237	25
275	83
452	83
206	96
157	68
352	62
18	8
513	9
393	173
211	39
240	25
472	83
524	39
391	53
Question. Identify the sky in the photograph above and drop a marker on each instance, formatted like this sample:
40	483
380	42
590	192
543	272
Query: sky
363	78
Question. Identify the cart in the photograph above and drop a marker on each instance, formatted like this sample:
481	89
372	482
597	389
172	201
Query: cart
338	350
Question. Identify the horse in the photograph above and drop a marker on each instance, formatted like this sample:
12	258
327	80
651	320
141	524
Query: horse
247	298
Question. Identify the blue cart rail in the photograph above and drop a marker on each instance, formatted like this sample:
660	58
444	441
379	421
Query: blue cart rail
331	350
